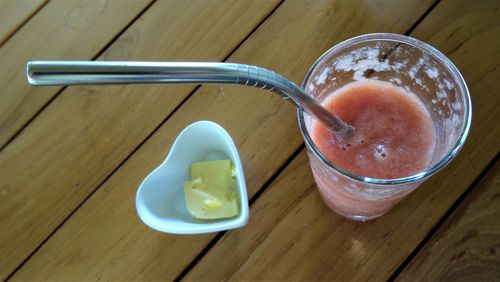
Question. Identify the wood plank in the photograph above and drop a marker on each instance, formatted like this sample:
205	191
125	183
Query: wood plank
14	13
118	246
467	246
60	30
88	131
293	236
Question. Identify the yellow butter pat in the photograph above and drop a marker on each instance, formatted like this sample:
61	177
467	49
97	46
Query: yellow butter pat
212	192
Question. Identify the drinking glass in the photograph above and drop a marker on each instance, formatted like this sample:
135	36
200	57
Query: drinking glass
405	62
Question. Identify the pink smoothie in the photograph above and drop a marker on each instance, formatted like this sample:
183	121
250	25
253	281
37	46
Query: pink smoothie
393	136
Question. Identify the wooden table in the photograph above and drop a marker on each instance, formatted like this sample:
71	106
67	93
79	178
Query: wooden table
72	157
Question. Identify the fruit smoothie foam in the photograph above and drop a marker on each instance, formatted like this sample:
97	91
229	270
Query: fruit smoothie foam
393	132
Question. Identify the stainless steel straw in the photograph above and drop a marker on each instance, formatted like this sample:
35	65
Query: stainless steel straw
122	72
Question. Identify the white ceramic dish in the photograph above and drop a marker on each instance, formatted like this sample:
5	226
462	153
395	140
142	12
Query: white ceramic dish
160	197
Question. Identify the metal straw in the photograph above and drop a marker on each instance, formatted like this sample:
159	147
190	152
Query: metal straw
102	72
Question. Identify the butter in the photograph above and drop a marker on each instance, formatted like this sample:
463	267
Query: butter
211	194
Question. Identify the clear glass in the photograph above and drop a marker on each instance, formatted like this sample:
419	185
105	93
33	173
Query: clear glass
405	62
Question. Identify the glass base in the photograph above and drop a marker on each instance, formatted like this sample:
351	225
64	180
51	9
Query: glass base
361	218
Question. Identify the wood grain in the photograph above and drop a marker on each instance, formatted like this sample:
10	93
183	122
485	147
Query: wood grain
118	245
295	237
14	13
87	131
60	30
467	246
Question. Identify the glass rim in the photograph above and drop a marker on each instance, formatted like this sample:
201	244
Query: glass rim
457	76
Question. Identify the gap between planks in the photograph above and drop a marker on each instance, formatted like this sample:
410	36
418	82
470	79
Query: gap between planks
145	139
23	22
443	219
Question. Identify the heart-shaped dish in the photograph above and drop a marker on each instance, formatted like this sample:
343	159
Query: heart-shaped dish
160	198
